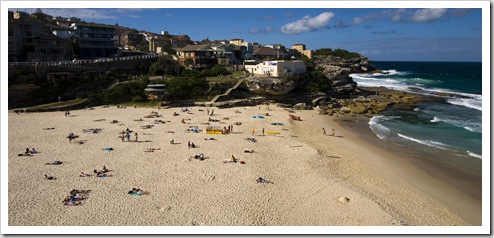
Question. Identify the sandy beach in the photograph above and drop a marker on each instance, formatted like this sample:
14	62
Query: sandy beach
318	180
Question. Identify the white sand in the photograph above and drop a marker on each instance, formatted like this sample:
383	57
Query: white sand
318	180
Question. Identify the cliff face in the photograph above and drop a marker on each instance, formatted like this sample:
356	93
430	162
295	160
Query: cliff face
338	70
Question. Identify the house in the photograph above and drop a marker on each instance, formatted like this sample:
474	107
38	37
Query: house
237	41
301	48
179	41
128	38
201	55
278	68
224	54
268	53
156	91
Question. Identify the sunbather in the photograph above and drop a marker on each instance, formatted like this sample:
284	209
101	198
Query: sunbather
200	156
84	175
49	177
56	162
261	180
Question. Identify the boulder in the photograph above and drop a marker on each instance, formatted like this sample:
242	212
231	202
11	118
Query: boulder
345	110
300	106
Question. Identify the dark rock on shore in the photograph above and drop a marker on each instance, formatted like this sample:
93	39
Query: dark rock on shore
372	101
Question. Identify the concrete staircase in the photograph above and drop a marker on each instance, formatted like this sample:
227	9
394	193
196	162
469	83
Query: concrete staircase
226	93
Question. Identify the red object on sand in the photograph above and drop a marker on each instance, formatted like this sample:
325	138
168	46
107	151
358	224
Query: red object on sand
296	118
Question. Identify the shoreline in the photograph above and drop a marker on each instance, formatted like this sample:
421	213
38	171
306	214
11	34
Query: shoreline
469	186
322	181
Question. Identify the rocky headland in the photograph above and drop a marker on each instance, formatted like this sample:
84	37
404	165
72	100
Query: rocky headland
345	96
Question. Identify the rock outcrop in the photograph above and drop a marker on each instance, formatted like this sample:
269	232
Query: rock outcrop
338	71
269	86
372	101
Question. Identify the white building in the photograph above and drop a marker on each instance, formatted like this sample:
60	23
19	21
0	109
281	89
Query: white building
276	68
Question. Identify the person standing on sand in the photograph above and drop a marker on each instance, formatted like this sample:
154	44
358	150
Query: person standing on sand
136	135
323	131
253	130
333	132
263	130
208	111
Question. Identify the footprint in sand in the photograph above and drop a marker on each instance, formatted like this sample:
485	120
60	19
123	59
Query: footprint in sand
344	199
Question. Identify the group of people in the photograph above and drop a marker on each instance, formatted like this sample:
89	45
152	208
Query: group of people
76	197
29	152
137	192
126	134
191	145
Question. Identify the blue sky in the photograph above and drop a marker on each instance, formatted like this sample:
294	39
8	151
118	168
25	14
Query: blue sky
411	34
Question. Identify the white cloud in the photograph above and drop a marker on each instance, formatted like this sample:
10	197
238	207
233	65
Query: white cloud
308	23
428	15
357	20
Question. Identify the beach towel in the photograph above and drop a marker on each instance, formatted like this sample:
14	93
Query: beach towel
108	148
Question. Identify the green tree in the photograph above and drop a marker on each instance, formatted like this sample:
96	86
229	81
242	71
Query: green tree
189	61
76	46
164	65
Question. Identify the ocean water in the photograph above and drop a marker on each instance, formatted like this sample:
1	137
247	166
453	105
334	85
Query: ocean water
452	128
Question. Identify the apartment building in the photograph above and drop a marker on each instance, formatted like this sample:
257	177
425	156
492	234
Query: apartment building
31	39
96	40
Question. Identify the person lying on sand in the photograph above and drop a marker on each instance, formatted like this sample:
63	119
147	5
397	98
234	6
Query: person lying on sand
71	203
49	177
199	156
33	151
24	154
137	191
209	138
49	128
251	139
56	162
261	180
84	174
103	175
232	159
248	151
